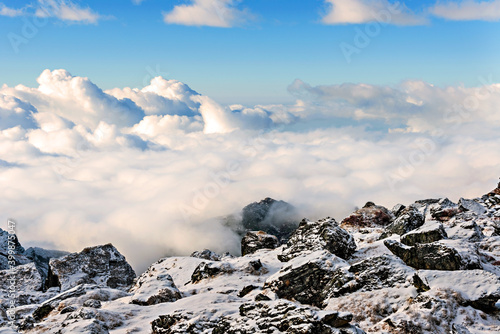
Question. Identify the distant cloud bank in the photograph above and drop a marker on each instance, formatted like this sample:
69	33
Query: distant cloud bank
148	168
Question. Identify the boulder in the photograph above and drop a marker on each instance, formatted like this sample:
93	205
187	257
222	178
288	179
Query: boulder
409	219
471	205
443	210
324	234
253	241
370	215
425	234
154	286
206	254
433	256
206	270
307	279
100	265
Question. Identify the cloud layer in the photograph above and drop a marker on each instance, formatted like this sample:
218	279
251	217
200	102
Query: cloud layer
149	168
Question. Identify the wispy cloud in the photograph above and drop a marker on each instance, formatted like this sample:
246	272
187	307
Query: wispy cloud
468	10
364	11
212	13
11	12
67	11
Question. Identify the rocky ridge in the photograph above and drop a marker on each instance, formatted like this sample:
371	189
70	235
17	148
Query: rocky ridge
432	266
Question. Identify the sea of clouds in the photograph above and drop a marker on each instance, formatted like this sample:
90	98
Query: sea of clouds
151	169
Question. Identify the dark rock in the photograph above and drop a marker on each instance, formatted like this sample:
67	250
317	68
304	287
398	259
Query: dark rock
209	270
43	311
93	303
273	217
68	309
409	219
397	210
246	290
324	234
206	254
262	297
419	284
307	281
101	265
370	215
253	241
424	235
433	256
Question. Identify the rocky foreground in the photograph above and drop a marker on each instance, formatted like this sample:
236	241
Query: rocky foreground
428	267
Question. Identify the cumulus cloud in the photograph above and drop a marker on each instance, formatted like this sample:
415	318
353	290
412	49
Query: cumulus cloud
67	11
468	10
364	11
212	13
74	173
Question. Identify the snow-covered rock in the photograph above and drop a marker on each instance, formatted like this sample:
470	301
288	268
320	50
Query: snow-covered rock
155	286
101	265
307	279
425	234
324	234
255	240
409	219
370	215
433	256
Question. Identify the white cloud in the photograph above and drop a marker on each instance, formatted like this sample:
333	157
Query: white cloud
11	12
212	13
74	174
364	11
66	10
468	10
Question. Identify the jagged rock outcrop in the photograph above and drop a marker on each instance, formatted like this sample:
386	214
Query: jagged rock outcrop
255	240
409	219
307	279
41	257
324	234
370	215
443	210
271	216
24	282
154	286
378	272
433	256
101	265
425	234
206	254
11	251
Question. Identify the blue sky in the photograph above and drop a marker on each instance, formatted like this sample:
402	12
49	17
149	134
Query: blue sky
260	52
